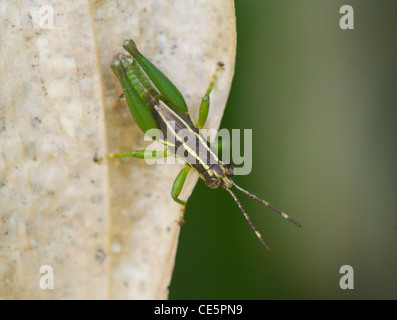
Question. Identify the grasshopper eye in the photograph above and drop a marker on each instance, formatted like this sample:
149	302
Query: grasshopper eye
213	182
229	169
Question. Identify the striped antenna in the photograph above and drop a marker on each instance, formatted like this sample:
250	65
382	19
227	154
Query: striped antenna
248	218
267	204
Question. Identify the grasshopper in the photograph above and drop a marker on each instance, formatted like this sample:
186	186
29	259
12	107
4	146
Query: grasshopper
166	111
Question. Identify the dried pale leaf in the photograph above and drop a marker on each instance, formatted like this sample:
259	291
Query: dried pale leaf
108	231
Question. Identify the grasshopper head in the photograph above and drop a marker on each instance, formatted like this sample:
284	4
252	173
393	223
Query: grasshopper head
220	175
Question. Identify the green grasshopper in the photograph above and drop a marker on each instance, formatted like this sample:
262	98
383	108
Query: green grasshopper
167	112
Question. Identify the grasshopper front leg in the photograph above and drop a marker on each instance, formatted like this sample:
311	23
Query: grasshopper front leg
176	191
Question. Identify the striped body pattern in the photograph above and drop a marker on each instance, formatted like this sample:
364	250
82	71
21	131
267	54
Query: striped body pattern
183	139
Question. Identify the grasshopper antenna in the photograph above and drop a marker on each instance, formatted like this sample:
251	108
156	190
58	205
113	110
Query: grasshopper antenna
248	218
267	204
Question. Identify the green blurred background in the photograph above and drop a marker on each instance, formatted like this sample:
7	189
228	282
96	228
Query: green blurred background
322	103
